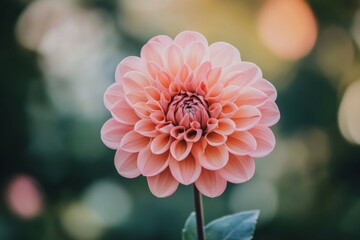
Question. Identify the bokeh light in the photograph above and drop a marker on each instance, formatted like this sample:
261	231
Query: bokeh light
287	27
24	197
109	201
349	113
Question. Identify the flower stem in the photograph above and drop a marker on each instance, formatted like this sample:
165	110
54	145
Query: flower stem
199	214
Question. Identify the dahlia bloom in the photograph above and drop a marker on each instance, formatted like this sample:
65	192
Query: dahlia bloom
188	112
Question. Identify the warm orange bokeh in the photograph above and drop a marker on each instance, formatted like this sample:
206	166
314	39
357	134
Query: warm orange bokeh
287	27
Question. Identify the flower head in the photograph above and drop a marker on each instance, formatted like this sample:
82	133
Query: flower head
186	112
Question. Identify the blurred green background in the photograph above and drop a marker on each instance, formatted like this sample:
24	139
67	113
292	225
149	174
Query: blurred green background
57	57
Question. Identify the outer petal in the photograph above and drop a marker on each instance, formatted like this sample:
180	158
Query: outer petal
175	59
163	184
163	40
210	183
225	126
251	96
135	81
238	169
246	117
126	164
112	132
265	141
223	54
243	74
266	87
129	64
185	38
113	94
146	127
186	171
241	143
270	113
134	142
151	164
196	53
153	52
213	158
123	113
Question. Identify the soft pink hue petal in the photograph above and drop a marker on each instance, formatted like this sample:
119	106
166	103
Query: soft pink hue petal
251	96
129	64
113	94
265	140
151	164
195	54
223	54
239	169
186	171
266	87
246	117
213	158
161	143
163	184
112	132
242	74
146	127
180	149
174	58
135	81
241	143
153	52
126	164
118	109
134	142
215	139
270	113
185	38
163	40
210	183
225	126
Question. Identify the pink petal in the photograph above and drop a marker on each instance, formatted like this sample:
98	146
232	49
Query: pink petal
135	81
213	158
265	140
161	143
126	164
153	52
158	117
180	149
134	142
113	94
241	143
225	126
186	171
151	164
146	127
210	183
186	38
163	40
215	139
165	127
177	132
135	97
129	64
244	74
163	184
123	113
211	124
228	110
163	79
214	93
246	117
223	54
142	110
270	113
239	169
193	135
196	53
153	69
213	77
175	58
215	109
229	93
152	93
251	96
266	87
112	132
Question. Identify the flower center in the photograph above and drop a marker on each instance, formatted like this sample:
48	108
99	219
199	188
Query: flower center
189	110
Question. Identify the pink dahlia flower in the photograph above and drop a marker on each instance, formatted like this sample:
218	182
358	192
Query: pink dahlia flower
186	112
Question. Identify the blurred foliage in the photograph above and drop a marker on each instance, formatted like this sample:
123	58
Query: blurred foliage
314	190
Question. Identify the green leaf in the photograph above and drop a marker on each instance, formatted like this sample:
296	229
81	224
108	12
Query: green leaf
189	230
238	226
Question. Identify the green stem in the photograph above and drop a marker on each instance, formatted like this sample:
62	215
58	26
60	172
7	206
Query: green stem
199	214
